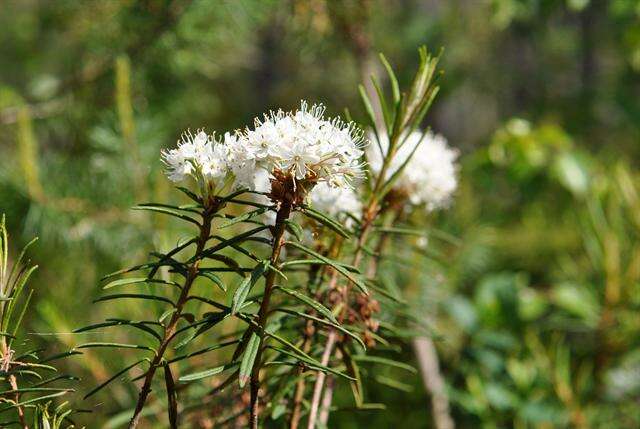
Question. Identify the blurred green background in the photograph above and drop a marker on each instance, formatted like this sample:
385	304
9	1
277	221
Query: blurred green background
533	304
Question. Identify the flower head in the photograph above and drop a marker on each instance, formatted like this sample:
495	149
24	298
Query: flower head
300	145
202	158
430	175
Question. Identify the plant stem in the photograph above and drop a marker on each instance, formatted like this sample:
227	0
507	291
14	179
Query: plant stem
14	385
319	385
369	214
327	399
333	252
170	329
278	238
7	354
368	218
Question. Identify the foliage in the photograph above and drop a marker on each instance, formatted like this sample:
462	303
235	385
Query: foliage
526	286
29	382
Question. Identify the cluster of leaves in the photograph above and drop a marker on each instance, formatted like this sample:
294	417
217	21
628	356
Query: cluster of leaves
29	381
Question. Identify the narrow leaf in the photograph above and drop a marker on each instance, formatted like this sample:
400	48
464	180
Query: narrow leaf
135	296
325	220
207	373
115	376
243	289
310	302
248	358
243	217
169	212
355	279
384	361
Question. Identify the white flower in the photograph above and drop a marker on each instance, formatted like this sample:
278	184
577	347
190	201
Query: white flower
199	156
335	200
430	175
303	144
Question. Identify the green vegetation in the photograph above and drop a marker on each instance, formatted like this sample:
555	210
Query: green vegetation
528	286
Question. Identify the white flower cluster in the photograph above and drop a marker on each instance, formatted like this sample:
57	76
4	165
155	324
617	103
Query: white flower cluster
335	201
197	156
430	175
302	144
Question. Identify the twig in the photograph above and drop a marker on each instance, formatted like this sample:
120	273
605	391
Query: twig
283	214
169	331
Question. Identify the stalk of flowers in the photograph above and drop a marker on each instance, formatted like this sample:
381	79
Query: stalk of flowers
401	117
202	159
425	184
297	150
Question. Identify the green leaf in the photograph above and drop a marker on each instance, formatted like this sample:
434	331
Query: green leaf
243	217
114	345
15	293
205	324
18	261
382	291
116	375
337	266
395	88
354	370
270	332
166	314
310	302
243	289
295	229
42	398
388	185
312	363
388	119
234	240
172	396
401	231
248	358
368	107
296	262
134	280
167	211
202	351
191	208
214	278
393	383
324	322
207	373
20	317
384	361
135	296
4	393
189	194
325	220
119	322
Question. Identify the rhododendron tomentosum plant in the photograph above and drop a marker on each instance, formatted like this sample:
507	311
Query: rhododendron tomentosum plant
394	148
271	167
247	300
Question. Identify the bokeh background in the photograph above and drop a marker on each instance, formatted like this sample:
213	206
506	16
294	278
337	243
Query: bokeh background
531	281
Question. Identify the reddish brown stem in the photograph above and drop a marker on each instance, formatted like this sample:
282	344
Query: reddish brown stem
170	329
278	239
